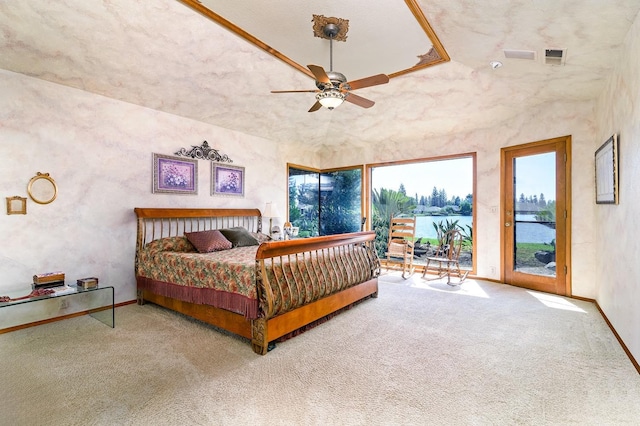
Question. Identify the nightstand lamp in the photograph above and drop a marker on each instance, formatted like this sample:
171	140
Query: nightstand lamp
270	211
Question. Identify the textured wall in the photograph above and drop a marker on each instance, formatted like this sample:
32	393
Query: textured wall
549	121
99	151
618	269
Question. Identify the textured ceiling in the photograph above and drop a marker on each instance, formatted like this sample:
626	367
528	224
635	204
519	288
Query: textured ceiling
369	43
164	55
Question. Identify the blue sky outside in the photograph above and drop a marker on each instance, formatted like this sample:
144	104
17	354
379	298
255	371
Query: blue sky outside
454	175
534	175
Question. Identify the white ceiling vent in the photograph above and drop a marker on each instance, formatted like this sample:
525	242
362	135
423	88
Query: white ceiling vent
555	56
520	54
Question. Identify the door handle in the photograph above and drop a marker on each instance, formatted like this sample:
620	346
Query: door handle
507	224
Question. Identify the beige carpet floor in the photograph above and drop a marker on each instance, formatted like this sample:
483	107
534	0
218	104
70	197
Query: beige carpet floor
422	353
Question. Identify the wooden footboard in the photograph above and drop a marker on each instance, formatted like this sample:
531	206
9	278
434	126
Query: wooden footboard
298	272
342	268
298	281
264	330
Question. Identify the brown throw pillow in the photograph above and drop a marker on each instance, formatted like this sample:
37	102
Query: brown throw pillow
208	241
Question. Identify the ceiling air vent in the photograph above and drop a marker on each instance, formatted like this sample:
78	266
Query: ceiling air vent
555	56
520	54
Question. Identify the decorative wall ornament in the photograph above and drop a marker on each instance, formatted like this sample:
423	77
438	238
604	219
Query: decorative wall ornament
204	152
16	205
431	56
42	188
320	21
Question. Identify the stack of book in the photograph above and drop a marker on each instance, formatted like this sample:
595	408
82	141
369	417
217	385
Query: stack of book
86	283
48	280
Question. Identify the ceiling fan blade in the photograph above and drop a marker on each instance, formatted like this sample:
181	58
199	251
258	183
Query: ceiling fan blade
359	100
374	80
315	107
294	91
319	73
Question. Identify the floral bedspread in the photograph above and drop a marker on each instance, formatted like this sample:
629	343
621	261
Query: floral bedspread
174	260
228	278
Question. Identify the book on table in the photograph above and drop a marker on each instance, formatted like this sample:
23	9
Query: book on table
48	277
50	284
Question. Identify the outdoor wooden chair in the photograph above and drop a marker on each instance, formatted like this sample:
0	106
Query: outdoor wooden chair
402	231
446	257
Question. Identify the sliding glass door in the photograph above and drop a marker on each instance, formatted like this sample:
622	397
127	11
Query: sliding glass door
304	200
340	201
325	202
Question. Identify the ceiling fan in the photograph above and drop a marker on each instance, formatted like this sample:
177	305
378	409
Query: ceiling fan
333	87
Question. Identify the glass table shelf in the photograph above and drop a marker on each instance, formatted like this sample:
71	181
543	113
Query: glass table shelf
99	302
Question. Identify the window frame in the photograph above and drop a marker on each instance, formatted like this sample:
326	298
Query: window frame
329	170
472	155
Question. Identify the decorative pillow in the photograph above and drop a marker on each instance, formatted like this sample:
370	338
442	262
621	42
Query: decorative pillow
176	244
262	238
208	241
239	237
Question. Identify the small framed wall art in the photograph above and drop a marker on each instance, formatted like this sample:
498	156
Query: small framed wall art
227	180
607	172
16	205
174	175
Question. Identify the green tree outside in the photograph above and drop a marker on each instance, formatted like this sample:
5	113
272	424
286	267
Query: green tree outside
340	207
387	203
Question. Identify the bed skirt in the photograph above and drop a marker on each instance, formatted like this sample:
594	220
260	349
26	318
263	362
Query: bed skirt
202	296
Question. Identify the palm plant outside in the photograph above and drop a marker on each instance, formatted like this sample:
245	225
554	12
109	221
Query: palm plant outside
387	203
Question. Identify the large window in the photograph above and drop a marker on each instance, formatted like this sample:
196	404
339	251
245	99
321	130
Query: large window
304	200
325	202
439	192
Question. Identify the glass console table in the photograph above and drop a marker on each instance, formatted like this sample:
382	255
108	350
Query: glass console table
99	302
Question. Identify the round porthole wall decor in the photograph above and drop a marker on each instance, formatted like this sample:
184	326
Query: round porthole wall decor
42	188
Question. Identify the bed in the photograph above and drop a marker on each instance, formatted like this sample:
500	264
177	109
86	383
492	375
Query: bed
264	291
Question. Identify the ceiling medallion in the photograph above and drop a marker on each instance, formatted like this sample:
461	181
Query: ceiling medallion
431	56
320	22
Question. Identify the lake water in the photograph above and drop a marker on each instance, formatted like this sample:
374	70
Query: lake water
526	232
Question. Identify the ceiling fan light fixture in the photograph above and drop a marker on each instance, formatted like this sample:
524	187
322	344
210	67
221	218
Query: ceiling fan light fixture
332	87
331	99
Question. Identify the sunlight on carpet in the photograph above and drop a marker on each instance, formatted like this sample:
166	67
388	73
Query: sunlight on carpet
556	302
469	287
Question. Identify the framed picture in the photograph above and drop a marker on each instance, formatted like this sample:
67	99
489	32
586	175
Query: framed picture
607	172
227	180
174	175
16	205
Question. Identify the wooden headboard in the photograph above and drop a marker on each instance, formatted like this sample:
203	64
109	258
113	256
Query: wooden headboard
155	223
